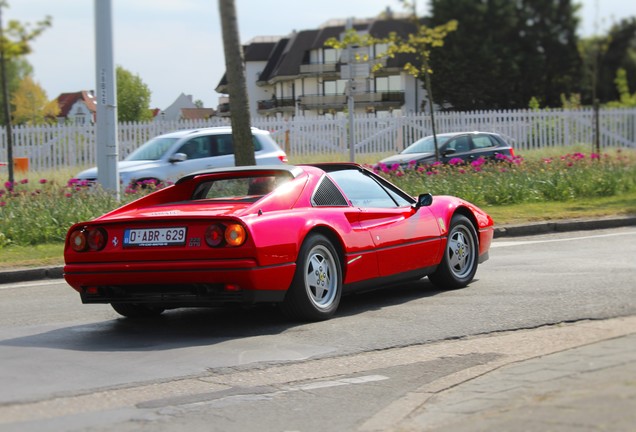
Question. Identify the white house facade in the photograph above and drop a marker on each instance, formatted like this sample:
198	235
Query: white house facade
300	75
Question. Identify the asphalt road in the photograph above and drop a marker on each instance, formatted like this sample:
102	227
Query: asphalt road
67	366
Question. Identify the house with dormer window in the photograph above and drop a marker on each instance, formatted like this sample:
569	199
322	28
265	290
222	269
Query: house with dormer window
300	75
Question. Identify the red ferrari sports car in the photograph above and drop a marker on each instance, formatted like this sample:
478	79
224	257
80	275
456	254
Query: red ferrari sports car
299	236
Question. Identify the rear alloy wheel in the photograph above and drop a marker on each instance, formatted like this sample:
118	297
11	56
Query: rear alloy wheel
316	289
134	310
461	256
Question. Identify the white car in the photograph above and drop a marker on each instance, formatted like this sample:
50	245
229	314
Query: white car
168	157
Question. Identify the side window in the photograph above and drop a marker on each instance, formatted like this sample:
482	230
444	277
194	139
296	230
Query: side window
257	143
223	145
196	148
362	190
459	144
482	141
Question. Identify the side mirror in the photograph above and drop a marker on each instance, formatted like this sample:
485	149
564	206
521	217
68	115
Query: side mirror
448	152
424	200
178	157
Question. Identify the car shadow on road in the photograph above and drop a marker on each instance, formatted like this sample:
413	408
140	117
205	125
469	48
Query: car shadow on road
208	326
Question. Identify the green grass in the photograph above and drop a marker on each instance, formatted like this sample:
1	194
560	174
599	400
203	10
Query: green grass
621	205
49	254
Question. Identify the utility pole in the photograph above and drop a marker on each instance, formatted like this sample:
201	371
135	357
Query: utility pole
106	98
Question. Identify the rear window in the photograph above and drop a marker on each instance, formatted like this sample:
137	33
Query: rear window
483	141
244	188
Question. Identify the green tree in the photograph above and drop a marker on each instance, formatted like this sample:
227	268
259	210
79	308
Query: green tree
591	51
620	53
133	97
15	42
504	53
551	64
30	104
235	72
16	70
626	98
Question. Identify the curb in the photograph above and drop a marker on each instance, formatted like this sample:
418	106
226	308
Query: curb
31	274
563	226
57	272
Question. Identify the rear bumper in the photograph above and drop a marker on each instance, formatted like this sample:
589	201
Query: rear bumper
180	283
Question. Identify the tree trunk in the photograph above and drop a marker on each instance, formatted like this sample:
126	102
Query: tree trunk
7	106
235	73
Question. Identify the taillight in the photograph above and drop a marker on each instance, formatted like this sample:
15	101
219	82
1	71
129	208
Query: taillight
225	235
79	242
91	238
282	157
96	239
235	235
214	235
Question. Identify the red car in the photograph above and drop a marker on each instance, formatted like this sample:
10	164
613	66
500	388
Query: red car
299	236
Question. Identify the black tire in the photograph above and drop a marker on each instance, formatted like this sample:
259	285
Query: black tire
315	291
461	256
133	310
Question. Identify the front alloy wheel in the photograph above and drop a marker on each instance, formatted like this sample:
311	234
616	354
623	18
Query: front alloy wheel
461	256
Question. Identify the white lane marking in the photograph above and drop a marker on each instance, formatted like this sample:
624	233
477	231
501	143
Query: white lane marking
247	396
340	382
497	244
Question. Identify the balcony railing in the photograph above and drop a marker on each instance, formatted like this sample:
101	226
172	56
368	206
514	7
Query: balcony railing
223	109
318	68
276	105
377	100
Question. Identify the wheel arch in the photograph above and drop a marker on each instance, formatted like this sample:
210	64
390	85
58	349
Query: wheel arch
335	240
464	211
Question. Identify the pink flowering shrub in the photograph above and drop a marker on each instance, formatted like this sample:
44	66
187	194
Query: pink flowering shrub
42	211
512	180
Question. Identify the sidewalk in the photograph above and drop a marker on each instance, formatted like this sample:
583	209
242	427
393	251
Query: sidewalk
591	388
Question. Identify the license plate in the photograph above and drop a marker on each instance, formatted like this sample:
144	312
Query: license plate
155	236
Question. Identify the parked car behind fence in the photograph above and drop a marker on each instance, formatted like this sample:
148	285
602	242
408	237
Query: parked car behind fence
168	157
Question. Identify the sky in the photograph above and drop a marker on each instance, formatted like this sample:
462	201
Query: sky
175	46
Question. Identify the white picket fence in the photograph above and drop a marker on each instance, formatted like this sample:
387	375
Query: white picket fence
69	146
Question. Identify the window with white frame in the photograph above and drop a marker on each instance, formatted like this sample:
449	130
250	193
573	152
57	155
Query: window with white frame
334	87
330	55
391	83
380	49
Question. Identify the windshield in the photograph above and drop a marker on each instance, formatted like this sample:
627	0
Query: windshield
152	150
425	145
